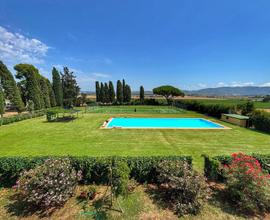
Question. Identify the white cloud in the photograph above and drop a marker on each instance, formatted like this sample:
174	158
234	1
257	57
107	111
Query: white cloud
101	75
239	84
15	48
265	84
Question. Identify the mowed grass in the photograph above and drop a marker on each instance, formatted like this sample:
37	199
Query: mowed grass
83	136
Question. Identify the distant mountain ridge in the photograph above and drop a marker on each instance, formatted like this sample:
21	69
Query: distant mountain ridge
231	91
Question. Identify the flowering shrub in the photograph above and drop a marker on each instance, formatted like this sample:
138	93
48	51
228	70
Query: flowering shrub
48	185
247	186
184	189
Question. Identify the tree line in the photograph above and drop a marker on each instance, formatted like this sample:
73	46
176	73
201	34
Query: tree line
32	91
105	92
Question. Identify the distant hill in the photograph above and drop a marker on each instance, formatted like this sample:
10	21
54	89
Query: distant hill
231	91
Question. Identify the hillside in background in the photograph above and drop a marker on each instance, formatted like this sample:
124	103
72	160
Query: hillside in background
231	91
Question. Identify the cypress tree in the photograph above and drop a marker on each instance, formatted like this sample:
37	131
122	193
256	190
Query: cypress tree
127	93
2	103
30	80
119	92
45	91
11	91
97	92
141	94
102	93
124	90
57	87
111	92
106	91
51	93
71	90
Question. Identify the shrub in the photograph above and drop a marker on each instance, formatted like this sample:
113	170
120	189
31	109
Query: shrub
261	120
120	177
48	185
247	186
184	189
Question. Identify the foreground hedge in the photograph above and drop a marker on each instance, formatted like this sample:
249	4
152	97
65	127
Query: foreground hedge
215	110
261	120
21	117
214	166
94	169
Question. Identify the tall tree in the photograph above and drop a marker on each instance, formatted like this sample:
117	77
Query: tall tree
29	77
97	92
45	91
119	92
111	92
51	93
57	87
2	103
168	92
124	90
127	93
102	93
106	91
141	94
11	91
71	89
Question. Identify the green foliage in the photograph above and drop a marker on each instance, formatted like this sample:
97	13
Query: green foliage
111	92
2	103
94	169
106	92
247	186
102	93
11	90
120	177
57	87
141	94
29	77
70	88
168	92
45	91
127	93
51	93
183	189
97	92
214	110
246	108
261	120
30	107
266	98
21	117
119	92
48	185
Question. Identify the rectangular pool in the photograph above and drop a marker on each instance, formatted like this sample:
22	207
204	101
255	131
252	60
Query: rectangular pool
163	123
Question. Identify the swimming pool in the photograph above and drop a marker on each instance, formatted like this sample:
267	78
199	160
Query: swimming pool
163	123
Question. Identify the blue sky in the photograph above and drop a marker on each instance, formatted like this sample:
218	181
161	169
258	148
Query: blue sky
190	44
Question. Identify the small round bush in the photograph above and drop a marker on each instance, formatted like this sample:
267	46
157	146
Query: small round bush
247	185
183	189
49	185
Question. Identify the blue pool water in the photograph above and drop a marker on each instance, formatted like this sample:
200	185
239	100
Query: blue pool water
187	123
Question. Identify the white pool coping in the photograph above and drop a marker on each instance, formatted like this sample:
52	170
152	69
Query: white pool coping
223	127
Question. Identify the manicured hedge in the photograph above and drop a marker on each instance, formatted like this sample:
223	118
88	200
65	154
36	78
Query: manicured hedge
214	110
21	117
94	169
213	166
261	120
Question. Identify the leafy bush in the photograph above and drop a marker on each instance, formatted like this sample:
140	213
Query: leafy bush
184	189
94	169
120	177
48	185
247	186
261	120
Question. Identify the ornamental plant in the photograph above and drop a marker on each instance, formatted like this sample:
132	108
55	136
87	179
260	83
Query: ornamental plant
247	186
49	185
182	188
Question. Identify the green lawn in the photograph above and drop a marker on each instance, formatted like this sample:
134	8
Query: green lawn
83	136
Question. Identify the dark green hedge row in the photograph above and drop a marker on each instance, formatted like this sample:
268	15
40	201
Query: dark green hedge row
94	169
213	166
21	117
214	110
261	120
